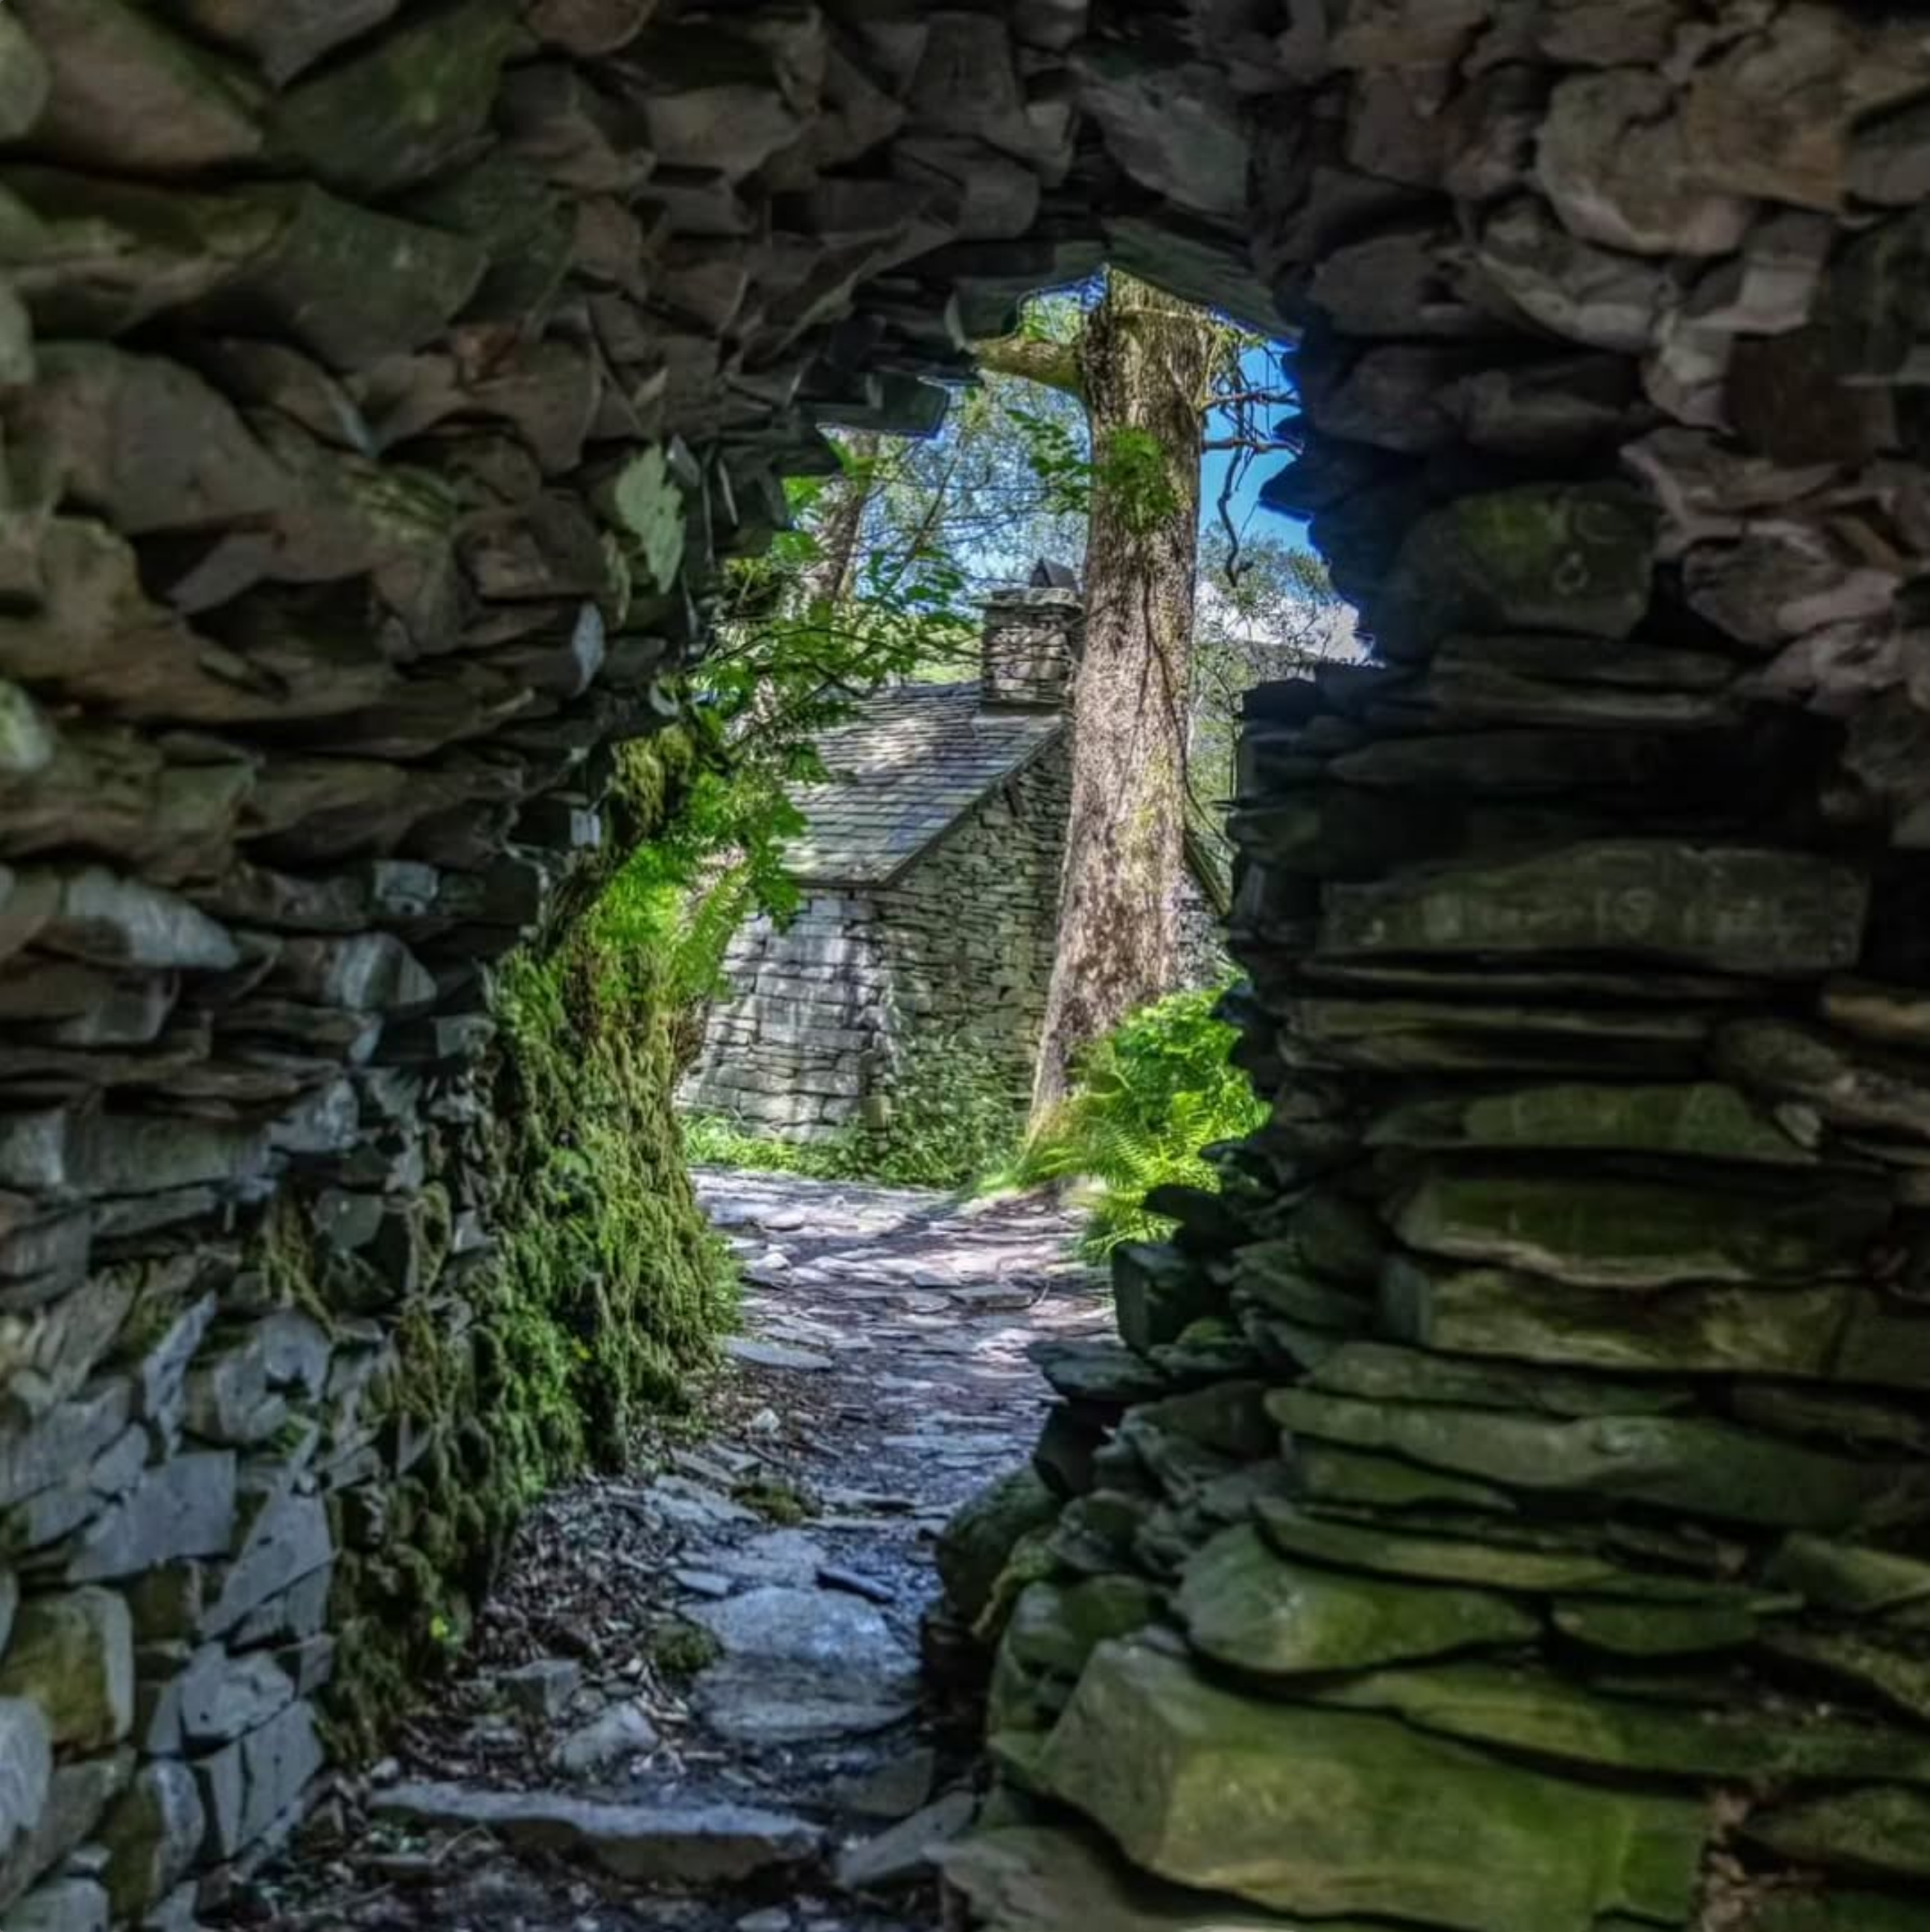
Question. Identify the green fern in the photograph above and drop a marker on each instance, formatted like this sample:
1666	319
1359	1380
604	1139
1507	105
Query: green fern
1150	1098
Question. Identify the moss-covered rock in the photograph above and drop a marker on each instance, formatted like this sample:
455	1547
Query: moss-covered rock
1328	1813
1247	1607
600	1301
978	1543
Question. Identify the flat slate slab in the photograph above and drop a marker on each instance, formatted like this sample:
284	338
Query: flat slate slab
644	1843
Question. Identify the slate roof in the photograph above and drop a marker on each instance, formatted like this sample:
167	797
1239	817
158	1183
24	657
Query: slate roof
914	761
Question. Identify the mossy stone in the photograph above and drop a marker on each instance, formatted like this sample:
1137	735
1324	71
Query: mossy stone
1025	1878
1756	911
1571	559
1328	1473
1848	1577
73	1655
978	1542
1271	1275
415	101
1375	1371
1244	1606
1704	1468
1330	1814
1158	1293
1532	1710
1228	1418
1390	1551
1055	1628
1793	1910
1881	1831
1702	1120
1607	1231
1655	1629
1894	1665
1697	1328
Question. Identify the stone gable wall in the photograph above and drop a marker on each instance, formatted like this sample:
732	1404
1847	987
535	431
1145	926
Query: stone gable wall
824	1012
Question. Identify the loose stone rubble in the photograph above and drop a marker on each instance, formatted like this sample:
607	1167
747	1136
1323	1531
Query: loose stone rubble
380	387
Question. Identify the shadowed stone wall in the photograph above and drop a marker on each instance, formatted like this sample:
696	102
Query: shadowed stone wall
1509	1510
382	383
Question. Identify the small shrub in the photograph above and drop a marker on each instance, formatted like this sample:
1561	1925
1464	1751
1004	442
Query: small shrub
1149	1098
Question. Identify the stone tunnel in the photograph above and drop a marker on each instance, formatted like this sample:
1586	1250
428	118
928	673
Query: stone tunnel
385	382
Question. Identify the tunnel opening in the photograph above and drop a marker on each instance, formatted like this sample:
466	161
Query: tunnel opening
1537	1427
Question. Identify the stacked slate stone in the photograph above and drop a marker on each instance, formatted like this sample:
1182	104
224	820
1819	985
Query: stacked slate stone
1509	1510
380	387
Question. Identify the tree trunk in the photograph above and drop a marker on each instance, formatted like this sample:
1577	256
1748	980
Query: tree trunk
1145	360
830	576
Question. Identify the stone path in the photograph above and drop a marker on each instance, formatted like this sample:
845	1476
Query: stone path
695	1702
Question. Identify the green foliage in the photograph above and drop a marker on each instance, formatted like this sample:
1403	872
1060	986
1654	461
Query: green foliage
953	1116
1133	472
601	1299
1055	451
1151	1096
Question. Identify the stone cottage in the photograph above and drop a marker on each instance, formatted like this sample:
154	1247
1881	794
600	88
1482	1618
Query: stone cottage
930	866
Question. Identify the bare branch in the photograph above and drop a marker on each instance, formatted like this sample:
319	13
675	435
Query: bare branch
1055	365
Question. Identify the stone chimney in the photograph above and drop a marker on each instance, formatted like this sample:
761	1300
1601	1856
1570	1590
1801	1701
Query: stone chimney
1032	642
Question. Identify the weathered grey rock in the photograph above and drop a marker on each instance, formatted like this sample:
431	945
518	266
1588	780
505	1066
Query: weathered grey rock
607	1742
223	1696
151	1836
907	1852
642	1844
183	1506
61	1905
541	1689
26	1769
1149	1751
1737	909
127	95
287	1543
1614	158
1581	293
248	1787
801	1664
73	1655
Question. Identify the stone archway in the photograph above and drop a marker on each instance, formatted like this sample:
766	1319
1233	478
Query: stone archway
383	382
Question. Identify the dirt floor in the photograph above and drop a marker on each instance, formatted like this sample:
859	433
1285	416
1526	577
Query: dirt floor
693	1703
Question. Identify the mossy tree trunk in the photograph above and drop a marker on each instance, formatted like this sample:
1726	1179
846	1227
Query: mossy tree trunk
1142	365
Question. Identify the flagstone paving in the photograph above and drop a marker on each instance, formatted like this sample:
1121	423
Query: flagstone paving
694	1700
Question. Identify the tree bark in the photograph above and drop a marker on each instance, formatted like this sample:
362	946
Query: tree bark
1144	361
830	577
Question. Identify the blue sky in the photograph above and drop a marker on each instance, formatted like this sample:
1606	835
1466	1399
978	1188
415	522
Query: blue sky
1261	369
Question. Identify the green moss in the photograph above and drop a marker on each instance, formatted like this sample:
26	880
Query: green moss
680	1651
599	1303
776	1501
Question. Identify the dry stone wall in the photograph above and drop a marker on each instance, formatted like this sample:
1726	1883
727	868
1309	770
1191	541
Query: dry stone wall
381	386
1518	1478
1509	1510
